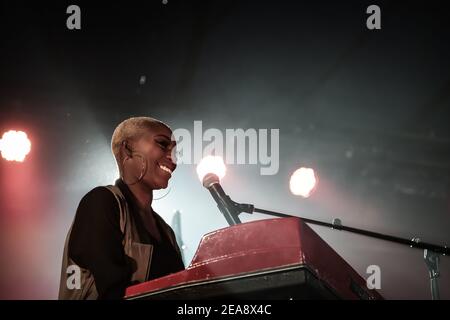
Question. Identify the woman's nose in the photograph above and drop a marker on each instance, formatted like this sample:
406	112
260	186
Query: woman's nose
171	155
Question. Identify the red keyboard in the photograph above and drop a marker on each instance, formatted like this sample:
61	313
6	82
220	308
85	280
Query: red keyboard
267	259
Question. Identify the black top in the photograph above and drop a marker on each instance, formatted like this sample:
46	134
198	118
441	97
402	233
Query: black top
95	243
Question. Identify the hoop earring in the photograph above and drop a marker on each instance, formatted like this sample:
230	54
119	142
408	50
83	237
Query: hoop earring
167	193
143	169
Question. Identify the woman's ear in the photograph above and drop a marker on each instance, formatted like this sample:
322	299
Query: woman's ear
125	150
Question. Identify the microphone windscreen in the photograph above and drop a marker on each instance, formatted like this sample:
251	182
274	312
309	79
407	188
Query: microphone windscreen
210	179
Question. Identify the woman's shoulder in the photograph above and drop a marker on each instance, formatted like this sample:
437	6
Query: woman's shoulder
99	193
100	199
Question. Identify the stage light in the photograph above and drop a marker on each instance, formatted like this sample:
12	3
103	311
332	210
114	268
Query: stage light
211	164
15	145
303	182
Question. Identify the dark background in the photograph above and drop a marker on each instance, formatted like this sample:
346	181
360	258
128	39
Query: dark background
369	110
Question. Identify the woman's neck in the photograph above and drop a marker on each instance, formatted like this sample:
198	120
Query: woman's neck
142	195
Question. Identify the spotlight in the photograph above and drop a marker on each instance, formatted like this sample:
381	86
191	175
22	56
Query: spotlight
211	164
303	182
15	145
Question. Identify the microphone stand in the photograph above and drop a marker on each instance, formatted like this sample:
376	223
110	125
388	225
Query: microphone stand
231	211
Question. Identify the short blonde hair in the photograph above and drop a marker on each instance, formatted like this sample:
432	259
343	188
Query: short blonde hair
131	129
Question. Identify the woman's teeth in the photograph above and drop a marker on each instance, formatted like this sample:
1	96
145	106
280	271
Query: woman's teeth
165	169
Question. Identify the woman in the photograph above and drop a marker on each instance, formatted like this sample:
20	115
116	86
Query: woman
116	239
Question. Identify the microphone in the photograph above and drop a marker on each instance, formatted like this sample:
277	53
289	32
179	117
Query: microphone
228	207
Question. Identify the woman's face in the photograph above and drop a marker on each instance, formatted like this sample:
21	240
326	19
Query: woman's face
156	146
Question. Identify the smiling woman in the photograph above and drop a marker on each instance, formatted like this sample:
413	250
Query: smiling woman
116	239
